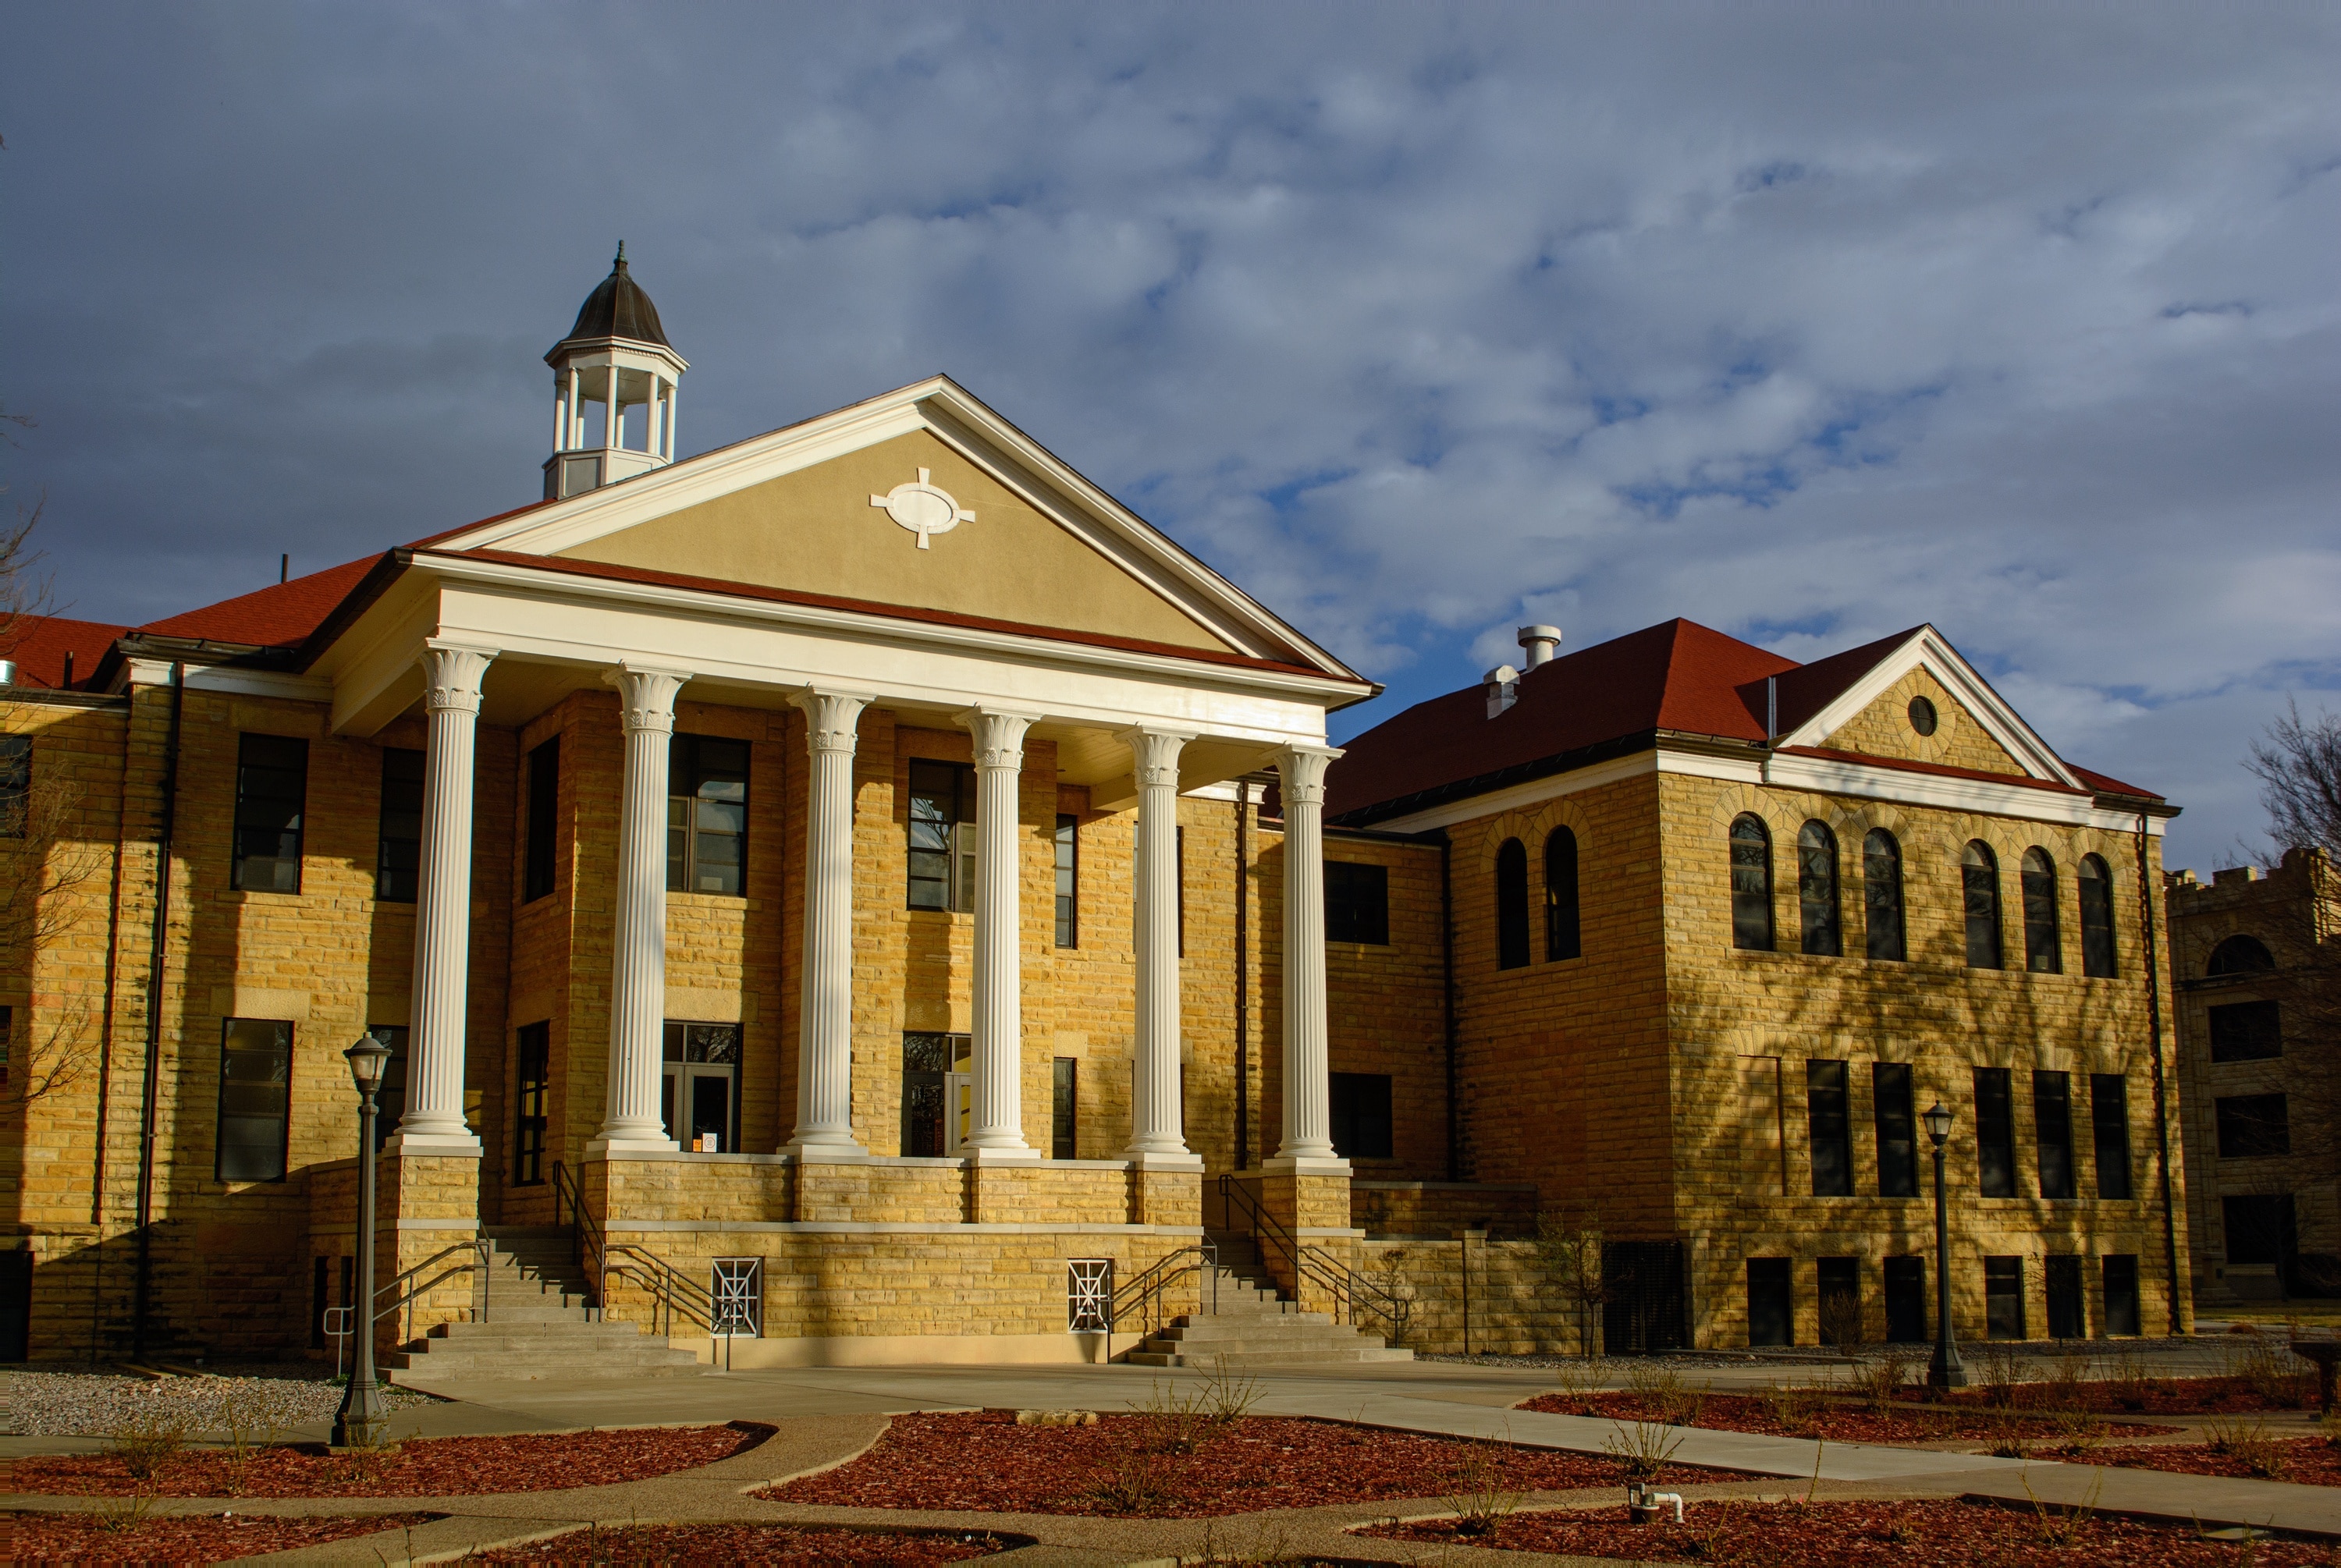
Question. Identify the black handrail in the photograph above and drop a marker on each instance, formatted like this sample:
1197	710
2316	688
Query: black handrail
404	1292
1345	1284
586	1247
668	1286
1143	1293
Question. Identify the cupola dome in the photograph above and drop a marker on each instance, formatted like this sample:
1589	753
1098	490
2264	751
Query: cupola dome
616	355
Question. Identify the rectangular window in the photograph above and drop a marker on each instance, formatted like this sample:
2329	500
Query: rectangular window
701	1099
2247	1032
2052	1130
943	836
1897	1129
2110	1131
272	777
1069	882
2260	1228
1840	1301
2121	1294
398	854
16	783
2252	1127
706	815
1831	1129
2069	1315
390	1099
254	1093
938	1093
1994	1132
1064	1109
1361	1116
535	1053
1357	903
543	820
2003	1297
1906	1301
1771	1301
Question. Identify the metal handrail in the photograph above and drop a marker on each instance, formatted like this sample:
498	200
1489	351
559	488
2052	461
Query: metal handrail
1145	1291
1347	1287
404	1292
670	1287
587	1247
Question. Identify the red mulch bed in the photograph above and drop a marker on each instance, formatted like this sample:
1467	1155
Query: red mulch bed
987	1463
2142	1396
83	1538
803	1545
439	1467
2308	1461
1825	1419
1909	1534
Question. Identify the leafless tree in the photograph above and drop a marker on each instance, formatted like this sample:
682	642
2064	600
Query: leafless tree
1569	1249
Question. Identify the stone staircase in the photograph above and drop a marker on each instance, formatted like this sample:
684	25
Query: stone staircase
538	1323
1254	1325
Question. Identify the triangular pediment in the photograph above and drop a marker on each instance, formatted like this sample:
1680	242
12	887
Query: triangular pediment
1973	728
1009	533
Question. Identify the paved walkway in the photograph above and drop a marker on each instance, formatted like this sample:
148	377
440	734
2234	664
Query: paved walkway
827	1414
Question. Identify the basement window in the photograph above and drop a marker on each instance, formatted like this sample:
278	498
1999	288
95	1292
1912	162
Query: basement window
706	815
255	1086
2003	1297
272	776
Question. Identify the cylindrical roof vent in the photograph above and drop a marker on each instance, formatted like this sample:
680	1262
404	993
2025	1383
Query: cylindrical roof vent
1541	641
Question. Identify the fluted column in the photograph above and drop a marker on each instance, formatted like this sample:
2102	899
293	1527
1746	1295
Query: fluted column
434	1122
1308	1088
1156	1134
631	1122
998	1127
825	1018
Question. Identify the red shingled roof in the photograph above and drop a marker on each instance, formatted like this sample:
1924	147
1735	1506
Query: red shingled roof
39	643
278	616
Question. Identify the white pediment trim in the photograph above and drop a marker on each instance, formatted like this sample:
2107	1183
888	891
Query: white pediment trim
944	409
1927	649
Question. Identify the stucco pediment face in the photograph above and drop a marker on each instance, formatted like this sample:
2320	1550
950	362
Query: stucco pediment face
822	529
1886	728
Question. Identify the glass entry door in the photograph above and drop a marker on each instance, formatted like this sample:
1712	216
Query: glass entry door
938	1093
703	1083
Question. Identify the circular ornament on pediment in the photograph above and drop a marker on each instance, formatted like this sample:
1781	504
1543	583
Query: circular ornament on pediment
922	507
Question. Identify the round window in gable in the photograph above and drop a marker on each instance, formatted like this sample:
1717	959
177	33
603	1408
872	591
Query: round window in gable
1922	716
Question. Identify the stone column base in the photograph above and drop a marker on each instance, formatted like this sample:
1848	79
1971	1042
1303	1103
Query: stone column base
426	1218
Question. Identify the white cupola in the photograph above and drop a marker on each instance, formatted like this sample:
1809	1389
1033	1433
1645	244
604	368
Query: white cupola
616	355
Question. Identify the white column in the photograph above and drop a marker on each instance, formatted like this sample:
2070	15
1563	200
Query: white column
576	436
631	1122
673	388
825	1028
650	418
998	1129
560	411
434	1122
610	425
1307	1089
1156	1134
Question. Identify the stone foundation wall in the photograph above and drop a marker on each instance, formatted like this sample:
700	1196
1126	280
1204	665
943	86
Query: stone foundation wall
1514	1310
1435	1211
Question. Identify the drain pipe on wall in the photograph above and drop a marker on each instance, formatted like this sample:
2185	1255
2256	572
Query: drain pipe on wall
158	952
1446	973
2161	1090
1243	942
105	1058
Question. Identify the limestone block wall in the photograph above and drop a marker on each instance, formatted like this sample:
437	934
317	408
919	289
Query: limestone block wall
1417	1210
1386	1004
1513	1308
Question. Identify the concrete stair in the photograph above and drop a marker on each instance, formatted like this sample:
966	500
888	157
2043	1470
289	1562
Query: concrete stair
530	1321
1253	1326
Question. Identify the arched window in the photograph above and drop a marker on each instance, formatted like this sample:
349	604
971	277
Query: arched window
1511	906
1560	935
2043	953
1816	890
1979	879
2096	918
1881	894
2240	956
1751	884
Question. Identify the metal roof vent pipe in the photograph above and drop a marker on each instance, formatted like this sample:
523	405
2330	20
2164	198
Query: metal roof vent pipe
1503	688
1541	641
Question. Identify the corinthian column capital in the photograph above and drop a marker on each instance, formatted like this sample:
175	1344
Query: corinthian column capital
831	719
646	695
452	674
1301	772
999	736
1154	754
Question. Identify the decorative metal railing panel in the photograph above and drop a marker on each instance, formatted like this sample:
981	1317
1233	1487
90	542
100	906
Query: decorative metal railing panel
1088	1295
735	1289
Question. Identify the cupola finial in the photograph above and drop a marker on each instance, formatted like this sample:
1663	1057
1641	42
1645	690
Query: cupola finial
620	264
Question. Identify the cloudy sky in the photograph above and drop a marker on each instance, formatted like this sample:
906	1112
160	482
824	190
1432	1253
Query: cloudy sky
1808	323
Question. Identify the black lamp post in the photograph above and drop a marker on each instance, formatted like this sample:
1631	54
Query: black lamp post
359	1423
1943	1371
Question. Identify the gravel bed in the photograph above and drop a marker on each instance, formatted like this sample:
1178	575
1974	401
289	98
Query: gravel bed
93	1405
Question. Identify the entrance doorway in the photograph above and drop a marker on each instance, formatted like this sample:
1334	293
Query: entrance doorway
938	1094
702	1084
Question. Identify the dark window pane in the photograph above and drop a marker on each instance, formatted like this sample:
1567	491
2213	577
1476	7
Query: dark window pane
1897	1129
1064	1105
1817	902
1361	1114
399	854
2260	1228
1979	882
2240	956
941	796
1751	884
2252	1127
2109	1130
1771	1301
535	1052
1357	902
272	777
2247	1032
1069	883
707	814
16	783
1994	1132
2043	952
2052	1127
1881	875
2069	1315
1562	939
1831	1129
1511	906
2097	918
544	819
2121	1294
256	1089
2003	1297
1906	1301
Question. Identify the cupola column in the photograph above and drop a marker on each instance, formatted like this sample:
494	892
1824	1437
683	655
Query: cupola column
631	1122
825	1026
997	1129
1157	1136
1308	1085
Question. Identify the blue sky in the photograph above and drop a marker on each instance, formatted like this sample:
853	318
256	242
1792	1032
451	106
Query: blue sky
1810	324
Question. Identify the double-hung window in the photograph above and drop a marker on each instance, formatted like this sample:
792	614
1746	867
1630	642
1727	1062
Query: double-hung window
943	836
1357	903
1994	1132
272	777
1069	885
706	815
2052	1127
1897	1129
1829	1119
256	1089
398	854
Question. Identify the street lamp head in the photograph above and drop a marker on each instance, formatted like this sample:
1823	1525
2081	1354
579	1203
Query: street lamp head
366	1059
1939	1123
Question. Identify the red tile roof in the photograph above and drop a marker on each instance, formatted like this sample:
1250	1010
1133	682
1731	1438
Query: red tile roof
278	616
39	643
